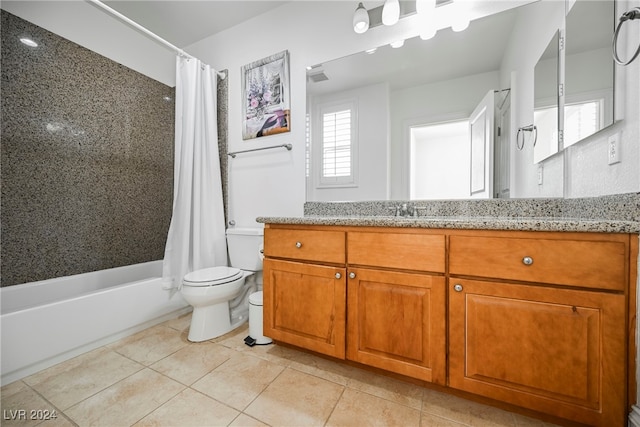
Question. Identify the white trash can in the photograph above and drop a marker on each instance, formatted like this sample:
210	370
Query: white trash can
255	321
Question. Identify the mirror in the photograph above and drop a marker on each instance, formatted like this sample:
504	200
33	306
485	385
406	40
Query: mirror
546	118
393	92
589	101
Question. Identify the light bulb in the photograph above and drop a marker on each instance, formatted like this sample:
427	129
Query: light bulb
391	12
428	29
360	20
427	25
460	17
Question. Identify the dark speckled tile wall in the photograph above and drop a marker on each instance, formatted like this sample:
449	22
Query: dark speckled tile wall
87	159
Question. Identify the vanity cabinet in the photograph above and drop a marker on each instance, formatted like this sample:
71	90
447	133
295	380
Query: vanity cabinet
396	303
396	322
305	301
542	324
539	320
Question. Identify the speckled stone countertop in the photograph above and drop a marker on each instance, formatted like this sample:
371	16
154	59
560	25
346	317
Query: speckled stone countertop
606	214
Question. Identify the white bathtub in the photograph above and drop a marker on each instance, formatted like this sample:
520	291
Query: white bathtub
47	322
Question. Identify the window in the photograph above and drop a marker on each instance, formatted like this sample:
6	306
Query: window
581	120
431	177
337	124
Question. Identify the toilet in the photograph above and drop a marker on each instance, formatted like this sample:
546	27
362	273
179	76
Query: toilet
220	295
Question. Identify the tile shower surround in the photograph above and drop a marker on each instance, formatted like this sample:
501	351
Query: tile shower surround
87	158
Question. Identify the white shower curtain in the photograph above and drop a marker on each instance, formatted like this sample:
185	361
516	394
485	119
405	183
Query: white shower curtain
196	236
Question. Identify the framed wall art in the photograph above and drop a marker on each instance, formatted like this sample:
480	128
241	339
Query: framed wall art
265	91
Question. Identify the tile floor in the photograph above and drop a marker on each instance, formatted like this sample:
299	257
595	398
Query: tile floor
158	378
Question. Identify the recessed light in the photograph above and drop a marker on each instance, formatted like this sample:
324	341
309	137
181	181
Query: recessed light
29	42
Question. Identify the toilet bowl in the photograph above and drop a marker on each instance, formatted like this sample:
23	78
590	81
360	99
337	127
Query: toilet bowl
220	295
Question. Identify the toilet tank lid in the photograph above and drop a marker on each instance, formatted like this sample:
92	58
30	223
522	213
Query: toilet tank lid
246	231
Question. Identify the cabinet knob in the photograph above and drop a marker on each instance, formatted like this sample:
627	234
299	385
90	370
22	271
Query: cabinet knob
352	275
457	287
338	275
298	244
527	260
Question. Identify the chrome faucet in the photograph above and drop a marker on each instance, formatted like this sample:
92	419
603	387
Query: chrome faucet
405	209
402	210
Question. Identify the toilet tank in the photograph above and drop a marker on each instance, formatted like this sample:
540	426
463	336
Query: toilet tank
244	246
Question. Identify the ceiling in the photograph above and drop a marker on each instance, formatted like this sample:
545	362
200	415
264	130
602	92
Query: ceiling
183	22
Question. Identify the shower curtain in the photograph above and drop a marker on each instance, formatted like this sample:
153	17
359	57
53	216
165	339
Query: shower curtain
196	237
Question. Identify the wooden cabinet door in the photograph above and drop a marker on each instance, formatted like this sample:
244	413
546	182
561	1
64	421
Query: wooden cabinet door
397	322
305	305
557	351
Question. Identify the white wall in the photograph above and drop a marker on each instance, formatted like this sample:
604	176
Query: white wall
372	106
272	183
587	165
534	27
444	101
582	169
91	27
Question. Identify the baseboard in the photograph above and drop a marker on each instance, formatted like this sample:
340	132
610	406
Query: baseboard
634	417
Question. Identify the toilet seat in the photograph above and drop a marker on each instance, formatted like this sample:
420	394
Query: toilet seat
212	276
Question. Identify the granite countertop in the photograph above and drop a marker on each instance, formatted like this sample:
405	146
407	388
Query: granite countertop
467	223
618	213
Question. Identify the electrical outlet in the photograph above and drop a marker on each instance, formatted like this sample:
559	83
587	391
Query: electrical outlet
539	174
613	149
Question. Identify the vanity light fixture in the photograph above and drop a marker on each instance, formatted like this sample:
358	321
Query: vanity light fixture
29	42
360	19
397	44
459	16
391	12
426	18
452	11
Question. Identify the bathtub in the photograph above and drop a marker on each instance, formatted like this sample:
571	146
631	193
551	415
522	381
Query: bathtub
46	322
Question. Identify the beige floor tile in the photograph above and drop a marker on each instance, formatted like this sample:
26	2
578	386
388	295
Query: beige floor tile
397	391
126	402
235	338
238	380
273	353
464	411
296	398
151	345
523	421
179	323
72	381
357	409
430	420
190	408
26	408
192	362
244	420
324	368
12	388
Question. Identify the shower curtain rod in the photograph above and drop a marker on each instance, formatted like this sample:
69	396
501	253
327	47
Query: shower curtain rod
147	32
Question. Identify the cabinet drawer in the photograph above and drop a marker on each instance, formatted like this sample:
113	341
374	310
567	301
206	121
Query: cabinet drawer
309	245
583	263
421	252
